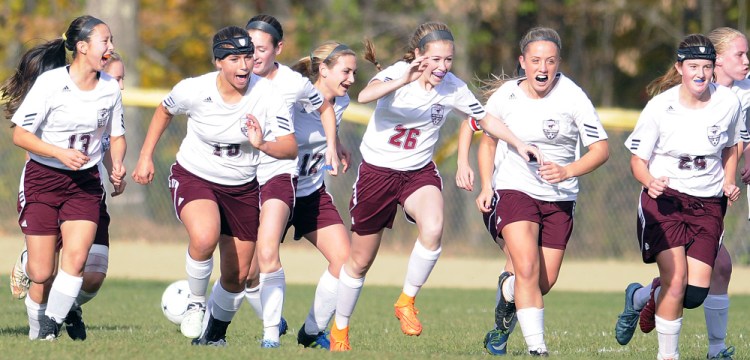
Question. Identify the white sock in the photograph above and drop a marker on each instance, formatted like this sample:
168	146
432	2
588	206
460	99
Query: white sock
272	288
324	304
252	295
421	263
84	297
641	296
668	333
716	310
199	275
35	312
65	289
509	289
532	327
224	304
348	294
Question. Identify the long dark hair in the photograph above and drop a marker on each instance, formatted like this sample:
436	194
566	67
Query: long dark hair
44	57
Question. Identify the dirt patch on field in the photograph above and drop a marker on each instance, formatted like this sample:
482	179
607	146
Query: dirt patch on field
303	264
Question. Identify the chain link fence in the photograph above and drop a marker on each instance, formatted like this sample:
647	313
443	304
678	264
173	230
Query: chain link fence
605	217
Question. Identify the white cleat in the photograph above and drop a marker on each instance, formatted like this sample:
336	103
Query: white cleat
192	324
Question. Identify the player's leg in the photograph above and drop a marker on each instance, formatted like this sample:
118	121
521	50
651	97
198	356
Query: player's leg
333	243
716	306
425	206
274	214
228	293
363	251
521	238
202	222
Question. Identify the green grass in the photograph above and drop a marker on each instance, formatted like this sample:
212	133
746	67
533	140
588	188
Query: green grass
125	322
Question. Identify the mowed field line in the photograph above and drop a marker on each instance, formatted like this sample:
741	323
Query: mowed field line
303	264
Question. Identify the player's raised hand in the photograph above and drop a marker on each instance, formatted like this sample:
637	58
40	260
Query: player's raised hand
416	68
254	131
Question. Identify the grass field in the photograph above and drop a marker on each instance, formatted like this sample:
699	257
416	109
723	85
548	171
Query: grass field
125	322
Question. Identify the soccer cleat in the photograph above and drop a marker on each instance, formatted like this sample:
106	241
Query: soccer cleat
283	327
505	311
539	352
318	341
407	315
19	282
269	344
723	354
647	319
49	329
74	325
339	338
496	341
192	323
215	334
628	319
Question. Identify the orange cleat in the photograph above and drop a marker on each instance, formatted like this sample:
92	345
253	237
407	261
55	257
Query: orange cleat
339	338
406	313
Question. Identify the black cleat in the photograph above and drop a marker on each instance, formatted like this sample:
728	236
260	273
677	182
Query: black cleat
215	333
74	325
49	329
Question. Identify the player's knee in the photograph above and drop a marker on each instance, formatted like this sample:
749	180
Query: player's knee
694	296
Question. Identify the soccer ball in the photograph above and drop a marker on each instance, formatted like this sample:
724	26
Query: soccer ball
175	300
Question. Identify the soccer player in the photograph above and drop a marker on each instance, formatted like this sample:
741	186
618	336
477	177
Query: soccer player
63	121
684	149
414	97
97	262
331	67
213	182
278	177
528	207
730	71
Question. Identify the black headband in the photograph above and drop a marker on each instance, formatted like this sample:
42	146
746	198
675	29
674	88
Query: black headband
435	35
697	52
264	27
339	48
241	45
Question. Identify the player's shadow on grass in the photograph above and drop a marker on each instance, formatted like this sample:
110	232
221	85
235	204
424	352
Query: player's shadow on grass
18	330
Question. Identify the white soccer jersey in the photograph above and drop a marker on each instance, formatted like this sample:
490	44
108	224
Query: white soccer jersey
554	124
312	145
216	147
294	89
684	144
60	114
404	128
742	89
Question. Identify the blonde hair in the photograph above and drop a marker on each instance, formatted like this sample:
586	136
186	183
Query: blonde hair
671	78
327	54
721	37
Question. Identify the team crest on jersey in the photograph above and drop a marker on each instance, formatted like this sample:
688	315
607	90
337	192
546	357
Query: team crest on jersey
437	113
714	134
243	127
551	128
101	117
